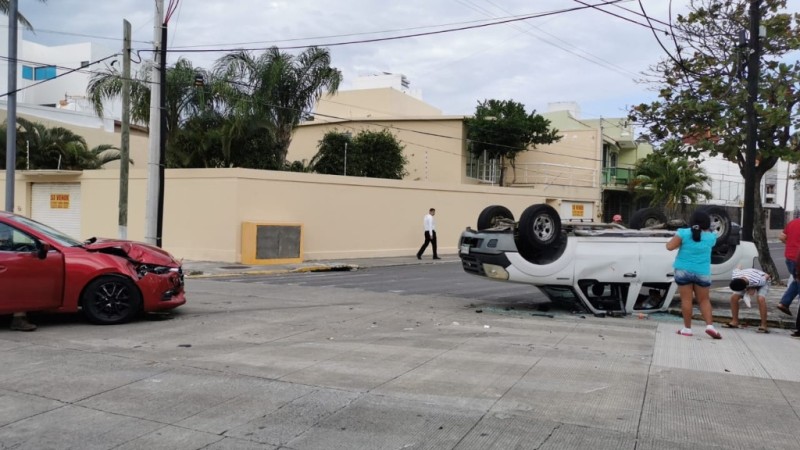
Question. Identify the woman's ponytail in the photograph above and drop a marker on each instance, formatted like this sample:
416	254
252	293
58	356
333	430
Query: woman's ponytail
700	221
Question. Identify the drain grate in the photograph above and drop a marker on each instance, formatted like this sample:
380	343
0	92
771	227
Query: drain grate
235	267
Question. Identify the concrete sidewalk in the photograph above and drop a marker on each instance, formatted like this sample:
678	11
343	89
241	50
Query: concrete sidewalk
720	294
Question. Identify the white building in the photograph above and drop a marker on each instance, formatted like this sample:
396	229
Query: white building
43	76
727	185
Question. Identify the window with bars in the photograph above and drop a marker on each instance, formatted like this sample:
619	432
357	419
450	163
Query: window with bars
483	168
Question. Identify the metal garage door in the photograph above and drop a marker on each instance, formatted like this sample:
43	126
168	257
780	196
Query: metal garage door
58	205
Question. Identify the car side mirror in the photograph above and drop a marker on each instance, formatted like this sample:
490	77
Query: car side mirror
43	250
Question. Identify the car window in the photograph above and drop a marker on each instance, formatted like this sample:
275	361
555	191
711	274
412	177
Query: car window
52	233
12	240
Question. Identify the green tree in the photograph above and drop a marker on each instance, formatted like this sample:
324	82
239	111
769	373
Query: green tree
106	153
503	129
702	96
55	148
380	155
52	148
372	154
330	155
276	90
107	85
670	181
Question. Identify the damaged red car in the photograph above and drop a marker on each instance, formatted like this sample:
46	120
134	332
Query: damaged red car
109	281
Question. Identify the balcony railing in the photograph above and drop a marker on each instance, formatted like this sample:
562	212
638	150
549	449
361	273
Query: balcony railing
617	176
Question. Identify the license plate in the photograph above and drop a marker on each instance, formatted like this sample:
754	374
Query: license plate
465	249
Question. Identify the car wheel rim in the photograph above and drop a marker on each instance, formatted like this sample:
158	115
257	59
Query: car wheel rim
543	228
651	222
111	301
718	225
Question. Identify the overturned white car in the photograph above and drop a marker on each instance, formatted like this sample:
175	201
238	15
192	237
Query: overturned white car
605	268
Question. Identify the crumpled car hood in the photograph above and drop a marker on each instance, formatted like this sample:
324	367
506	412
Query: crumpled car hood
137	251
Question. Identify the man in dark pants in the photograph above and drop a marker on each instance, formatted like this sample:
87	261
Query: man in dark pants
430	234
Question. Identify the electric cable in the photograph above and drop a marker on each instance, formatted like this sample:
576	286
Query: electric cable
91	63
391	38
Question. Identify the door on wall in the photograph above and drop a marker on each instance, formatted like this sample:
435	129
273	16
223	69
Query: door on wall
58	205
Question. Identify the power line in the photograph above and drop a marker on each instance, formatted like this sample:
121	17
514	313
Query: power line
392	38
590	58
92	36
59	75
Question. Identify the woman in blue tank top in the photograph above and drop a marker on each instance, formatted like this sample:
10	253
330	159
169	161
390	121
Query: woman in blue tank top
693	270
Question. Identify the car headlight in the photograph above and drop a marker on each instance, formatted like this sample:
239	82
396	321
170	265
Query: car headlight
144	269
495	271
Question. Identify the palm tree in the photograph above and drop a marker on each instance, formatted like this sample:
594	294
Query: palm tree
670	181
105	153
60	148
52	148
5	4
107	85
275	90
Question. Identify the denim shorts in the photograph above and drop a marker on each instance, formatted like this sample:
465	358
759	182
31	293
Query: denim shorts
684	277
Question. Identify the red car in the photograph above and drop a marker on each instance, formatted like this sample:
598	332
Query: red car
110	281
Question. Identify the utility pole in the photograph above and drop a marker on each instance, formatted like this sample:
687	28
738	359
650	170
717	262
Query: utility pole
151	235
162	143
753	73
11	133
124	159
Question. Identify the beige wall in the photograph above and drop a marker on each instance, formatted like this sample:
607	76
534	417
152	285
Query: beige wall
342	217
574	161
371	104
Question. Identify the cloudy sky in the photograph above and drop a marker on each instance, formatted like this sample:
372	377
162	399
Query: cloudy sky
561	54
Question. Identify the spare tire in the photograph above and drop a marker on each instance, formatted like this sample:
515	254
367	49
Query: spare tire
720	222
539	226
647	217
490	215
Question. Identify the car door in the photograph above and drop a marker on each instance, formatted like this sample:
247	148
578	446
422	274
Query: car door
28	283
606	269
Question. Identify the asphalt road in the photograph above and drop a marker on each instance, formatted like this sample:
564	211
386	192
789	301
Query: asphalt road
444	279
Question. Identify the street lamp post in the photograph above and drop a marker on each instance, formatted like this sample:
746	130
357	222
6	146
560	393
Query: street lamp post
346	141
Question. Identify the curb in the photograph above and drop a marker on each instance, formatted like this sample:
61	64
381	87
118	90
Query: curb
745	322
316	268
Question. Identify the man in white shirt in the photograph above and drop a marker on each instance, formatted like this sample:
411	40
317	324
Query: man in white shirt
430	234
750	283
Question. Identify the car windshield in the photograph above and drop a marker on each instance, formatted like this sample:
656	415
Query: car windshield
53	234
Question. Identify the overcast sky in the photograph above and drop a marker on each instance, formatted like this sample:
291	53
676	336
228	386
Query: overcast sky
585	56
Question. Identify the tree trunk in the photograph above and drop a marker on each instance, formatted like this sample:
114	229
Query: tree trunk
282	141
502	171
760	236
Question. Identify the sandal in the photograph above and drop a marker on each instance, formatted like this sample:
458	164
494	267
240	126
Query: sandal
713	333
762	330
685	332
730	325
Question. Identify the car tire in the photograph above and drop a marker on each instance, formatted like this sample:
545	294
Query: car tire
647	217
720	222
540	226
110	300
490	215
